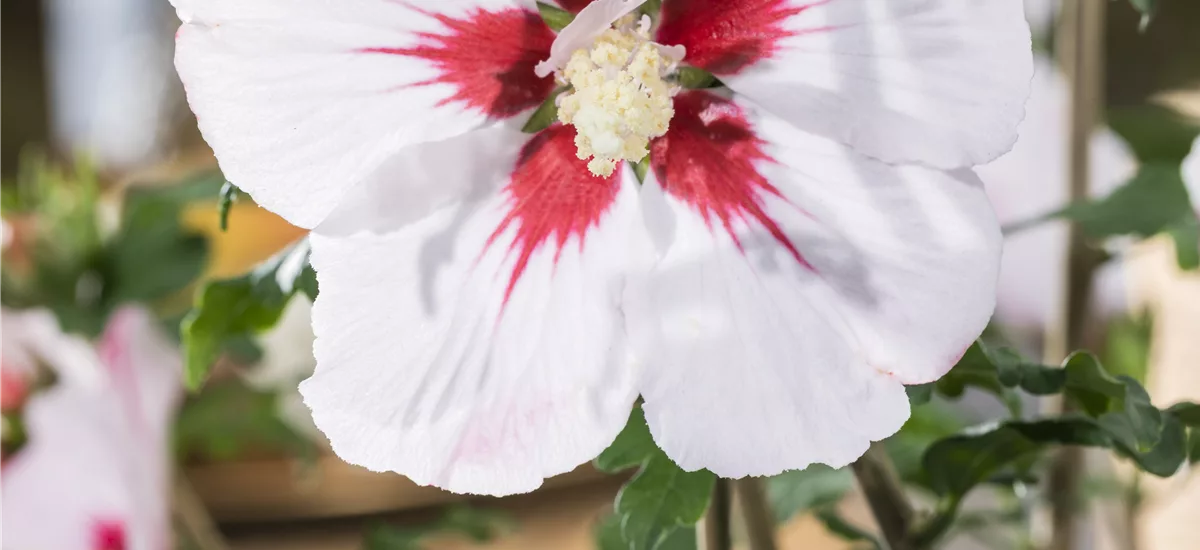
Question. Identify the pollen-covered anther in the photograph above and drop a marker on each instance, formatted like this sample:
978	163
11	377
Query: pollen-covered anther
618	100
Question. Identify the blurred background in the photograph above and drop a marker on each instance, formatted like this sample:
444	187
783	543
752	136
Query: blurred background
113	231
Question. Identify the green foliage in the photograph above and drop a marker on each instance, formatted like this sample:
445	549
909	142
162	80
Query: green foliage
229	195
695	78
79	268
653	8
641	168
814	487
926	425
1155	200
1157	134
230	419
1186	235
555	17
608	537
661	498
919	394
479	526
1147	8
1127	346
816	490
151	255
1115	414
228	310
1188	414
13	435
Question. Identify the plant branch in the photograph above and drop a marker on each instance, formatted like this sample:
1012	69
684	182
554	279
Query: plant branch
713	532
756	513
878	480
194	517
1082	48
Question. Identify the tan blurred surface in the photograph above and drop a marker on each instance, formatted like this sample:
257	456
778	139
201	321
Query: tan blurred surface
276	489
1172	506
560	519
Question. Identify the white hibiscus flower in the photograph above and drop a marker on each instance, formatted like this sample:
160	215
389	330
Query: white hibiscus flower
95	471
493	302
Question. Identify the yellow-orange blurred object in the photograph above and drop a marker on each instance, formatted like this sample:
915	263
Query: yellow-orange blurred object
254	235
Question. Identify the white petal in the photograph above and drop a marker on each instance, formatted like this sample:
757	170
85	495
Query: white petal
1031	181
1191	174
33	337
423	179
588	24
288	359
96	458
782	321
302	99
937	82
431	365
145	369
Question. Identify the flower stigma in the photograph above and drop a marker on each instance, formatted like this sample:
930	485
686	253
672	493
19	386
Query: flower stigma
618	100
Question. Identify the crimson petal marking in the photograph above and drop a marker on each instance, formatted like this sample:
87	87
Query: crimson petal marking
108	535
707	160
489	57
553	197
574	6
725	36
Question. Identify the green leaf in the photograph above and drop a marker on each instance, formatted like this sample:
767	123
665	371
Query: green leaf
1127	346
545	115
230	419
695	78
799	491
653	8
229	194
957	464
992	371
229	309
925	426
608	537
1157	134
555	17
13	433
661	498
1187	413
1186	235
1153	201
919	394
1120	418
151	256
632	447
1119	404
641	168
1147	8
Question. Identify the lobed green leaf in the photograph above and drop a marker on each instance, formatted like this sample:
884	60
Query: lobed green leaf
661	498
232	309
